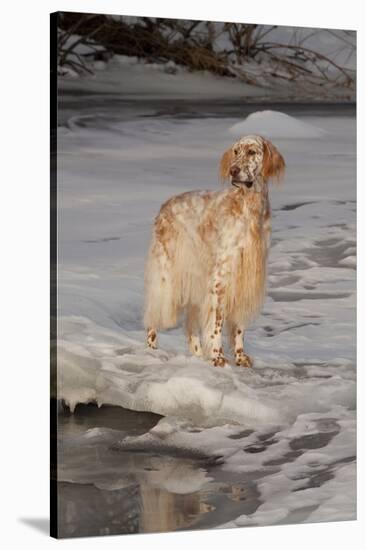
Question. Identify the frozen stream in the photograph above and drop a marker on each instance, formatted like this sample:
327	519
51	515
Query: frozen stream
203	447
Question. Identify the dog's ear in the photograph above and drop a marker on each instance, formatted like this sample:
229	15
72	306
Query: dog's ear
273	162
225	165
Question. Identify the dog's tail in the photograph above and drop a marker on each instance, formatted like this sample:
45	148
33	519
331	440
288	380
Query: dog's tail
161	304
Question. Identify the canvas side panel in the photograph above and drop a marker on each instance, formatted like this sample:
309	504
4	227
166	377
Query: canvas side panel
53	276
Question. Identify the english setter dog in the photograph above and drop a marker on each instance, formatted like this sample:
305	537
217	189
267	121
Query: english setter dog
209	252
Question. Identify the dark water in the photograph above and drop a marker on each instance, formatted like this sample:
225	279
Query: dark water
104	491
88	105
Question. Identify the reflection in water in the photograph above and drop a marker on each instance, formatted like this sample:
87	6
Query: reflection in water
164	511
102	491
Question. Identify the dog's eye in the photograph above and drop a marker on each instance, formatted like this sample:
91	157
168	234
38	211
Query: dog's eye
251	152
235	151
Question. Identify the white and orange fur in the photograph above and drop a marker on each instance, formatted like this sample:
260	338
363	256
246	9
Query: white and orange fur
209	252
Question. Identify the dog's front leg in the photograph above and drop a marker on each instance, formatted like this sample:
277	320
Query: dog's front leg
237	340
215	312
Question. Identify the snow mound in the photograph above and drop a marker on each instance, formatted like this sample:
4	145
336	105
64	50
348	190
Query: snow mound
274	124
107	368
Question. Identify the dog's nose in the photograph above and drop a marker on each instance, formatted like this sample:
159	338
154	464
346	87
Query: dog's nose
234	171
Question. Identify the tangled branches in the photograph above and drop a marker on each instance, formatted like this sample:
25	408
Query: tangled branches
226	49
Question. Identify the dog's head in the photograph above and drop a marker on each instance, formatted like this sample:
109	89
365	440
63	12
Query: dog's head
251	162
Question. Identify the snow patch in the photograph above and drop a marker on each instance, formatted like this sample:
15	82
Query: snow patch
274	124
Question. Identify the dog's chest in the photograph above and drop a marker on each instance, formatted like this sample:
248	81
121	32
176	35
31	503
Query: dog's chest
234	221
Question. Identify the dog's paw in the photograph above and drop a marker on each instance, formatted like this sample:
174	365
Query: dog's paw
151	339
219	361
243	360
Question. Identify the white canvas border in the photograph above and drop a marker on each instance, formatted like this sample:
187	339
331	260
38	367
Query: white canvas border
24	238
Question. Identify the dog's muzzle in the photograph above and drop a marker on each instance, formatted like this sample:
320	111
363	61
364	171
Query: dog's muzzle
235	173
247	183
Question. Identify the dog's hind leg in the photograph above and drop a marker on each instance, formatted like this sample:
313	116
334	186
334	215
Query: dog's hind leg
193	330
151	338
